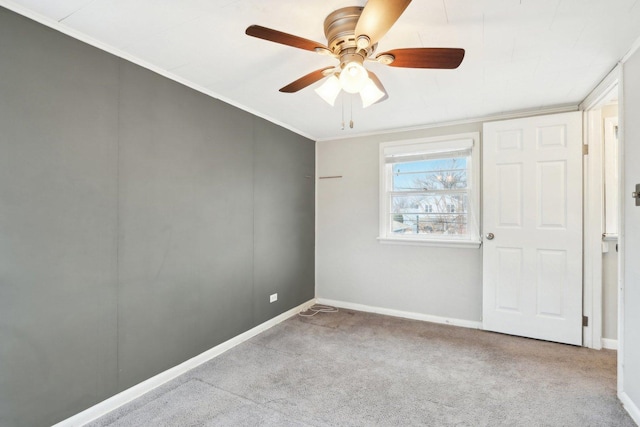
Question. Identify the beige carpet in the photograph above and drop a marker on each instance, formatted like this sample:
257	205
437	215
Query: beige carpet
353	368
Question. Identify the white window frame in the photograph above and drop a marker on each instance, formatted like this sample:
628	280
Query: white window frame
434	144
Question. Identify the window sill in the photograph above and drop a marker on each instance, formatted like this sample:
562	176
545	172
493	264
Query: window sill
471	244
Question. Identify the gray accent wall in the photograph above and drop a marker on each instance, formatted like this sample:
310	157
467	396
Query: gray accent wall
141	223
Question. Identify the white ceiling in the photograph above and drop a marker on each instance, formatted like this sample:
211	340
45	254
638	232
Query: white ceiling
520	54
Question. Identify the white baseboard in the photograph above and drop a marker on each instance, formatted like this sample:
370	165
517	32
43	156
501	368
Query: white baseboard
404	314
146	386
609	344
630	407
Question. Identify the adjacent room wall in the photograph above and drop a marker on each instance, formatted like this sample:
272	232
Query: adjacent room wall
141	223
610	293
352	266
631	241
610	269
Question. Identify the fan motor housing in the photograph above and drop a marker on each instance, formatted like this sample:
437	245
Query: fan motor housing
339	28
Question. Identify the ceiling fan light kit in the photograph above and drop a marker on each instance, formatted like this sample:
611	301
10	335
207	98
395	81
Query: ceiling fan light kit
353	77
329	90
352	37
370	93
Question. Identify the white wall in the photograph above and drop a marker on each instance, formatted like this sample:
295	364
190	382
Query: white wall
610	293
610	271
352	266
631	241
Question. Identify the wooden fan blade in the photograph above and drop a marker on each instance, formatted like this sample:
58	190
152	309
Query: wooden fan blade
283	38
305	81
378	83
426	57
378	17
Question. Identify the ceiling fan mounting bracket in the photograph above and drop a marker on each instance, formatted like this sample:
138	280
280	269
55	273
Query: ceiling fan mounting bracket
385	58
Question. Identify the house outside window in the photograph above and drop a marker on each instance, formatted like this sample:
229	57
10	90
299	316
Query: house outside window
429	191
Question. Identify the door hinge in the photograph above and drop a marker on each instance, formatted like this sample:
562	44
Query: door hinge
585	150
585	321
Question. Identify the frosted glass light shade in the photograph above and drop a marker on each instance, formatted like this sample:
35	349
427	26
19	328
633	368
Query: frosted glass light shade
370	93
353	77
329	90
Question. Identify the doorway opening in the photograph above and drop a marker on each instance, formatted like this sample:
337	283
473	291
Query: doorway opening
601	215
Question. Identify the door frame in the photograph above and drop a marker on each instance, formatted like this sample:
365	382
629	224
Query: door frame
593	199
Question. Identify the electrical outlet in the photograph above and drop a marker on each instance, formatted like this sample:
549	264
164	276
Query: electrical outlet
273	297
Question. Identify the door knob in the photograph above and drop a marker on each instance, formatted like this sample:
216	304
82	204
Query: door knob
490	236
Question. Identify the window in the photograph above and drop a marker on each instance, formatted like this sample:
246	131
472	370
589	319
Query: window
429	191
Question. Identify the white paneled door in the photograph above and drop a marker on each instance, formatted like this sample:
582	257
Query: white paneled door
532	225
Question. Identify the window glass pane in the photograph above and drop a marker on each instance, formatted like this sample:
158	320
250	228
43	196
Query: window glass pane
429	213
438	174
428	190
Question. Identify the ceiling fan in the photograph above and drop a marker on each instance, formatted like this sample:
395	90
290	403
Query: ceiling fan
353	34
